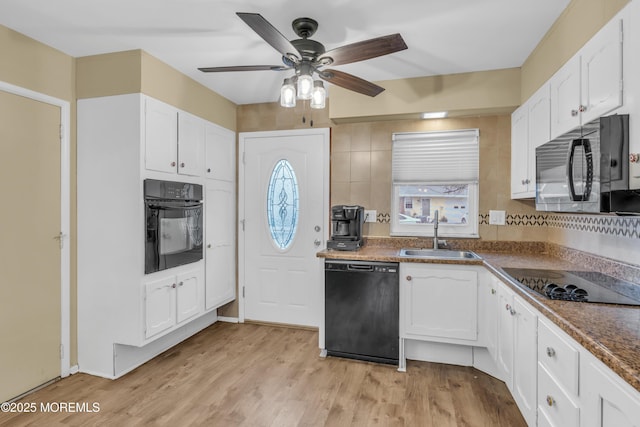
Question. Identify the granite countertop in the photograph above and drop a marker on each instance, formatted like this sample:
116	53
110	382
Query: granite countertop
610	332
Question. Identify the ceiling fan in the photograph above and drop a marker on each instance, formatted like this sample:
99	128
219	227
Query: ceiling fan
306	56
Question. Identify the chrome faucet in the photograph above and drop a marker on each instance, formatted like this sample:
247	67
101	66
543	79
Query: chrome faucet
435	230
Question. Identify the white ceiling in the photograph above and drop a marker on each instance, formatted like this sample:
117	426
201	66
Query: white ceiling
443	36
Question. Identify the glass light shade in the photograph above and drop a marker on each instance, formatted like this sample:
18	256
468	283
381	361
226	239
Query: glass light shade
288	94
318	95
305	86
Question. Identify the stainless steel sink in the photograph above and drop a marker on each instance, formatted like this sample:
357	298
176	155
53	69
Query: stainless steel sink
438	254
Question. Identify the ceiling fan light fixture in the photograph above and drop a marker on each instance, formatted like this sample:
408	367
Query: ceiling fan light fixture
318	95
288	93
305	86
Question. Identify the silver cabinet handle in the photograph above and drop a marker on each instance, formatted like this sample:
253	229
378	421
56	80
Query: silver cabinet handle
409	278
550	400
551	352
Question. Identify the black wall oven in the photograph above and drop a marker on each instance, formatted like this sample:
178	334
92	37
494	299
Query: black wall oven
174	233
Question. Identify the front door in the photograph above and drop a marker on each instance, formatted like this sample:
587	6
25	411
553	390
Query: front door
30	302
284	212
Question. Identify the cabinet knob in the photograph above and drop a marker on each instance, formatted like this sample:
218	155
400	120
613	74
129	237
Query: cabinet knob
208	170
173	163
209	246
173	286
574	113
583	108
523	182
181	283
493	291
634	158
550	400
551	352
182	164
507	307
512	311
409	278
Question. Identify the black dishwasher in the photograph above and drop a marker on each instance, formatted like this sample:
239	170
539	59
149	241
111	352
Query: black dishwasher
361	310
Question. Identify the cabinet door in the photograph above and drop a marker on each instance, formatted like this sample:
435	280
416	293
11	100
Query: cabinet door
220	160
519	151
608	400
191	131
525	360
490	318
601	70
161	136
220	207
505	334
440	303
160	305
188	295
565	98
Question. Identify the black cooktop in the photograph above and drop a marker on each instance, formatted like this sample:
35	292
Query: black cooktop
580	286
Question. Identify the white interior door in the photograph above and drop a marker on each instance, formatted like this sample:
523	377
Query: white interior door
284	208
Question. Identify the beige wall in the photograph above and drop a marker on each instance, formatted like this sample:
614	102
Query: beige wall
35	66
136	71
486	92
577	24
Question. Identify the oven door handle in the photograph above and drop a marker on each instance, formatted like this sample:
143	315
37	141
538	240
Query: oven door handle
173	205
588	182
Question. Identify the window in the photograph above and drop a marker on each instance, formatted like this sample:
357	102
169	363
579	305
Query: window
435	171
282	204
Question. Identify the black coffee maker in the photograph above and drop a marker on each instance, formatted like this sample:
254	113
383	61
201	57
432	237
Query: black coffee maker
346	227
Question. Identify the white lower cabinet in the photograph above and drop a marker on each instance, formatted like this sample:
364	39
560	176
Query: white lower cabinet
171	300
516	354
438	302
607	400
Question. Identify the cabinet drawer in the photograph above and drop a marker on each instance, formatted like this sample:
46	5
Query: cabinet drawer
559	357
553	402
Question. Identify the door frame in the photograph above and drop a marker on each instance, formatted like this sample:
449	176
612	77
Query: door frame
242	136
65	215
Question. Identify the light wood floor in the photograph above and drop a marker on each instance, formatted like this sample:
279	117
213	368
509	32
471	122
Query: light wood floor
256	375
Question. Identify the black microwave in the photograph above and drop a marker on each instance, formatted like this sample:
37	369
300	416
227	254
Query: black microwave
587	170
174	231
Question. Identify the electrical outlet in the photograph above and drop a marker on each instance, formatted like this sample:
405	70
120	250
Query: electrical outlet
497	217
370	215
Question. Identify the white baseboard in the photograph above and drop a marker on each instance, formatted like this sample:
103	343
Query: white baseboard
228	319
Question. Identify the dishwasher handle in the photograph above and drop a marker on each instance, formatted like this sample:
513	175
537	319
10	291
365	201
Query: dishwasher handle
360	267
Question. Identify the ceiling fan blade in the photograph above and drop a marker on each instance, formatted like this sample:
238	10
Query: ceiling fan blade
351	82
244	68
271	35
366	49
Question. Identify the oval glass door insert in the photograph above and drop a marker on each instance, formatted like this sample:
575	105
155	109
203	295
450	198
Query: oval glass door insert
282	204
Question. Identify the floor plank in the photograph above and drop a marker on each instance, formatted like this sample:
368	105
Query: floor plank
258	375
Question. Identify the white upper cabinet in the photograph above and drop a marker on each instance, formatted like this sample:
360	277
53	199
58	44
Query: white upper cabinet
191	134
174	140
601	70
590	84
161	136
220	157
530	128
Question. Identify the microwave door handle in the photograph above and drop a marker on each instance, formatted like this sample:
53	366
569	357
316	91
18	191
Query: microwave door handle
572	191
588	155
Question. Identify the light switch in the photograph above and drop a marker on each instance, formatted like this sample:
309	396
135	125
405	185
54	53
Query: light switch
497	217
370	215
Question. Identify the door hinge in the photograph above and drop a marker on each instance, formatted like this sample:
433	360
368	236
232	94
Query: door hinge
244	158
61	132
61	352
243	292
242	223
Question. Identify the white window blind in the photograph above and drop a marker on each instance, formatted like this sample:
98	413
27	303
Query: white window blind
449	156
